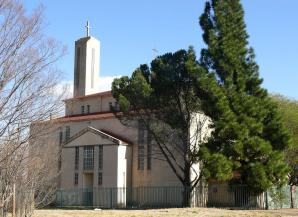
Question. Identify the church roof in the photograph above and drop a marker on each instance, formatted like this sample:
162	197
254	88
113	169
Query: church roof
105	93
117	136
102	133
85	117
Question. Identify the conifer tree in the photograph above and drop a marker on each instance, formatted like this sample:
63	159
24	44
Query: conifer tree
162	97
248	130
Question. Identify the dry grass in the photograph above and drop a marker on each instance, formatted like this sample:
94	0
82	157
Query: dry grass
193	212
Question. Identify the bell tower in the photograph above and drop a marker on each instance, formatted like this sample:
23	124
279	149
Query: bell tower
86	65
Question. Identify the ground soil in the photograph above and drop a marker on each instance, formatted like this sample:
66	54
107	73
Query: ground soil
193	212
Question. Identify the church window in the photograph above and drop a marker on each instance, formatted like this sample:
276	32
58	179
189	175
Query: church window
100	157
141	133
149	151
110	106
141	157
60	136
67	133
100	178
88	109
141	150
92	67
77	152
82	109
117	108
59	162
76	179
77	79
88	157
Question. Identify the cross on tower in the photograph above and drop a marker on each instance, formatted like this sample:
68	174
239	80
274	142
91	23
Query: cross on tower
88	29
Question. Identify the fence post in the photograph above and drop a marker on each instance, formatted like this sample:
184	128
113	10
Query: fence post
266	200
111	198
14	201
61	198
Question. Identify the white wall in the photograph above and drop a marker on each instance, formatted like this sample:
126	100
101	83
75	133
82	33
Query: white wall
97	104
84	71
110	163
122	166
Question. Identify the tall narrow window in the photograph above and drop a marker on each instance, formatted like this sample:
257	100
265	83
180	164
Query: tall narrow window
77	152
59	162
76	179
82	109
60	150
110	106
92	67
88	157
100	157
77	74
99	178
117	108
141	135
149	151
60	136
88	109
67	133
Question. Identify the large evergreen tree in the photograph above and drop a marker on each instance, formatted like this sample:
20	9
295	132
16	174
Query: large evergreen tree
163	98
248	130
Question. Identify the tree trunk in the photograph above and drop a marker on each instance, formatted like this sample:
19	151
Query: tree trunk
186	196
186	186
187	168
293	196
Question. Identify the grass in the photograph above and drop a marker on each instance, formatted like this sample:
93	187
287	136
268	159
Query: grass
193	212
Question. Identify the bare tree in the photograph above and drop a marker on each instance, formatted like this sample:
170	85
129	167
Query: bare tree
28	80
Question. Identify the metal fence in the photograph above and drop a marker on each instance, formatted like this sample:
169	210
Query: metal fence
239	197
235	196
137	197
278	198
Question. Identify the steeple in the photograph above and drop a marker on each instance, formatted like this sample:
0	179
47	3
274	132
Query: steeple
86	65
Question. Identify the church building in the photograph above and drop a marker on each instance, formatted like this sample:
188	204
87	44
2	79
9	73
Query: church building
103	163
97	151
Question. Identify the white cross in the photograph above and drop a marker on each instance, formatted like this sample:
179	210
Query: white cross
88	29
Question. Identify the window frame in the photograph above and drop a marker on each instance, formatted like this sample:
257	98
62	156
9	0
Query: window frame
77	157
67	133
88	158
100	177
141	145
76	179
149	151
60	136
100	157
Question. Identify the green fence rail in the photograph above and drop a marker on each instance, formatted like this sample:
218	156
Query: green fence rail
237	196
278	198
138	197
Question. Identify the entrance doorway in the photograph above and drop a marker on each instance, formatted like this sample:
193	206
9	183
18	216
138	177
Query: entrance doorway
88	189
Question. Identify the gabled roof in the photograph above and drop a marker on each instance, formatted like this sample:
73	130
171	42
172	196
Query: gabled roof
117	136
113	138
86	117
105	93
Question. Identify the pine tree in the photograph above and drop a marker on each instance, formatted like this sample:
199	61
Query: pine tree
248	129
163	97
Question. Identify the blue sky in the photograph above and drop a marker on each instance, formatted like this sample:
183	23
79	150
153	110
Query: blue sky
129	29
